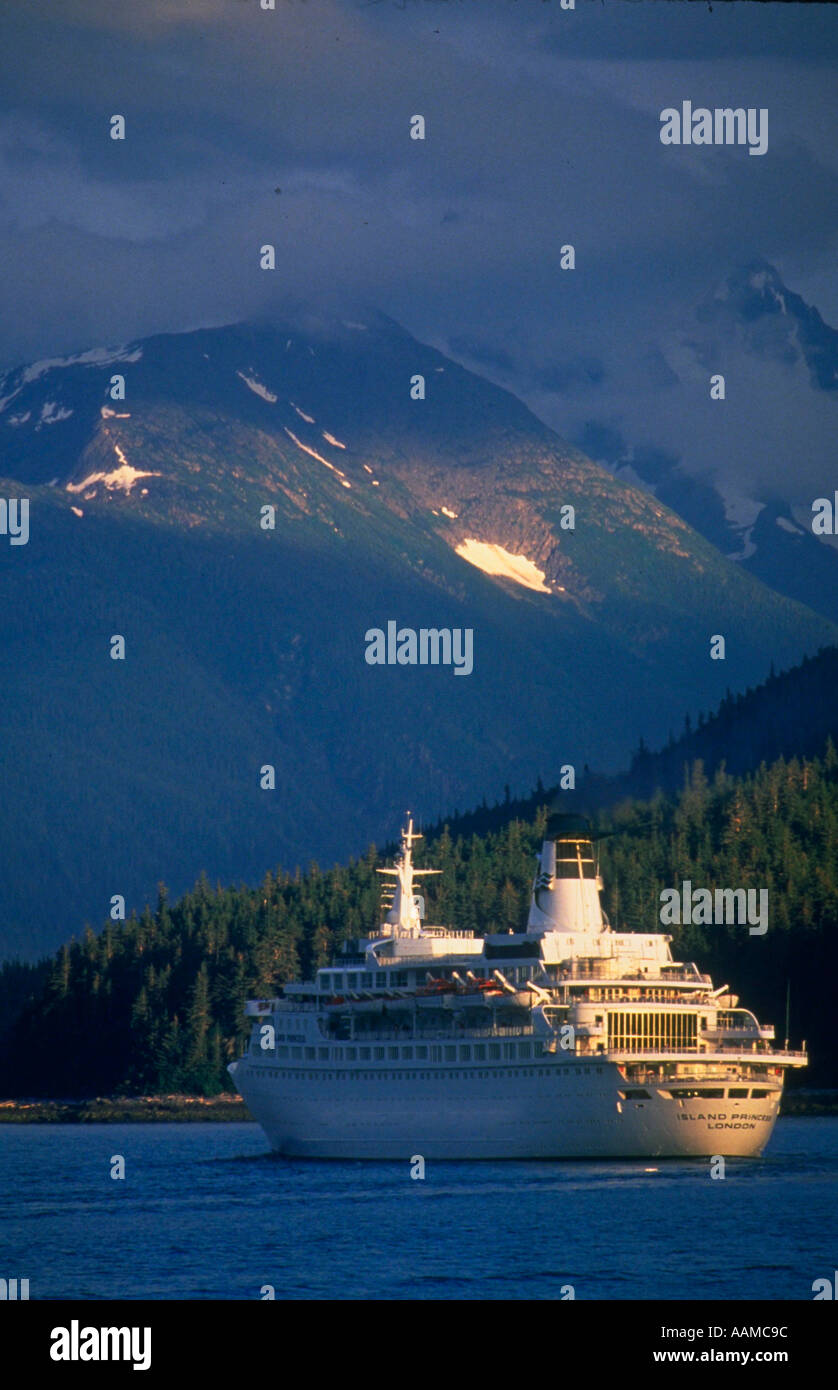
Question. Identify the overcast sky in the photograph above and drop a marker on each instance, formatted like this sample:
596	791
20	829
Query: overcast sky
542	129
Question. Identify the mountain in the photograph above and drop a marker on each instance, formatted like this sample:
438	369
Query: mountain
744	471
246	646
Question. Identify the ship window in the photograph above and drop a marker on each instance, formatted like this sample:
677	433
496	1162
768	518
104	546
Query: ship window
337	981
352	981
282	1051
364	1054
436	1054
366	980
759	1095
310	1054
393	1054
379	1054
407	1054
450	1054
351	1054
296	1052
524	1050
480	1052
658	1031
696	1092
465	1053
422	1053
494	1051
322	1054
398	978
738	1093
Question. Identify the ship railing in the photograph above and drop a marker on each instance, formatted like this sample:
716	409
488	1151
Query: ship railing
707	1052
612	968
730	1030
434	1035
738	1074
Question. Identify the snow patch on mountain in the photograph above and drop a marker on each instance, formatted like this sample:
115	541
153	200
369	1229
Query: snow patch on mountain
309	419
330	439
51	413
496	560
257	387
741	514
123	477
313	453
787	525
95	357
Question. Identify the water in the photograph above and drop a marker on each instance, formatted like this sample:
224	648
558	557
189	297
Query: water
206	1211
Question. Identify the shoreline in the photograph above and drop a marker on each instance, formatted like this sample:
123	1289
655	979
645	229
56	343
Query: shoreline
231	1109
221	1109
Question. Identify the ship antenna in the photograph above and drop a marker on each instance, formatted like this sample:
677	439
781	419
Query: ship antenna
788	1007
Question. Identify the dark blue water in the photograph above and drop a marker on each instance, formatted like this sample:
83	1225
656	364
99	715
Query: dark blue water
206	1212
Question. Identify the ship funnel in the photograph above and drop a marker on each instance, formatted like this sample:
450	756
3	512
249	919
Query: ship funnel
565	895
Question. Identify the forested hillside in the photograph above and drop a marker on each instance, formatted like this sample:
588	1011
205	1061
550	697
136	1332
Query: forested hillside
155	1004
790	714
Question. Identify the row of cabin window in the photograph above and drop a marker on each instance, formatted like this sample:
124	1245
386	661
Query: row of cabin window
335	981
442	1052
558	1073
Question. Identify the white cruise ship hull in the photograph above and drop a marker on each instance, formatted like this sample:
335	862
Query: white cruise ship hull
547	1110
567	1040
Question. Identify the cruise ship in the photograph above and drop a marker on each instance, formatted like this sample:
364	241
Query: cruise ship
566	1040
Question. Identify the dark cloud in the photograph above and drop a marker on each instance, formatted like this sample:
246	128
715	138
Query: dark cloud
542	129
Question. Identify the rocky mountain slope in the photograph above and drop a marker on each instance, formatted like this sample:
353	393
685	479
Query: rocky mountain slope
245	646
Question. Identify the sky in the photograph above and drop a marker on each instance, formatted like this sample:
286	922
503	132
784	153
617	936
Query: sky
247	126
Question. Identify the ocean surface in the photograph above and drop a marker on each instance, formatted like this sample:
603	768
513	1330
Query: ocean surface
205	1211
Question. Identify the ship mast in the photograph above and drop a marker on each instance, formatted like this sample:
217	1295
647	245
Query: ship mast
404	917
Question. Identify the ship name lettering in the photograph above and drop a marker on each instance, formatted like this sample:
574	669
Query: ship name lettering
722	1121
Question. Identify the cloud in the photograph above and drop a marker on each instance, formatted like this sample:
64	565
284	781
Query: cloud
542	129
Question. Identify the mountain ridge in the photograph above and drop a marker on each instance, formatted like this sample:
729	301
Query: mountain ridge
245	645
